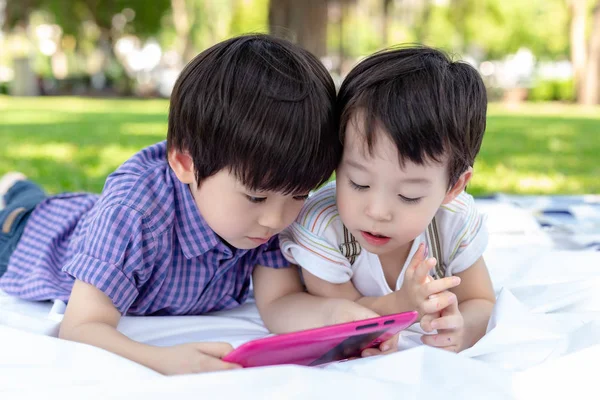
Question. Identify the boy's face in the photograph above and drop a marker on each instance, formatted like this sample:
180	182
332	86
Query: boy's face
243	218
383	205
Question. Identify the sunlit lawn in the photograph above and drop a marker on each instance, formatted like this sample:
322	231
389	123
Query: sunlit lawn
72	144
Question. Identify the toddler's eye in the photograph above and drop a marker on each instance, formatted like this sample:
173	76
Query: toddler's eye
357	186
409	199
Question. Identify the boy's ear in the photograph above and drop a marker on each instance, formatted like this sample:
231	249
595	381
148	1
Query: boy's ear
183	166
459	186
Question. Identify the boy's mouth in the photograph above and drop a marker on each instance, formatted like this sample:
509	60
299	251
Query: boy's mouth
259	240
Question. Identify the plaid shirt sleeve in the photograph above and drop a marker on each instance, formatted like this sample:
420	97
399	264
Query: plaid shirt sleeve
271	255
112	255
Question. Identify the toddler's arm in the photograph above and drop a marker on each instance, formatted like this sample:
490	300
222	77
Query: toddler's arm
285	307
460	327
476	300
413	295
92	318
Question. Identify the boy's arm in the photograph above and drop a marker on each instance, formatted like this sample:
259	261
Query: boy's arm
92	318
284	306
476	299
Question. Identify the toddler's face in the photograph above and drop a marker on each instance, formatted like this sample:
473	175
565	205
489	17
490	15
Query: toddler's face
383	205
243	218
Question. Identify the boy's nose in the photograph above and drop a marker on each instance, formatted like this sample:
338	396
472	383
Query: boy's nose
272	220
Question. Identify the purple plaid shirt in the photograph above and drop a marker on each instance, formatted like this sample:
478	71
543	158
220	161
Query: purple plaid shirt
142	242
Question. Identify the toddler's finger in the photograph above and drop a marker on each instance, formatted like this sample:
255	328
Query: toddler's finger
390	345
422	272
453	321
440	285
417	258
370	352
438	302
440	339
427	320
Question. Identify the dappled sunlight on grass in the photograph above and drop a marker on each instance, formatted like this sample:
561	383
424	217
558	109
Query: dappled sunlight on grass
49	151
86	105
40	118
140	128
72	144
498	178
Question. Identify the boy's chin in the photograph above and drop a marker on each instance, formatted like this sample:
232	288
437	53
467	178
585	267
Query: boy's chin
243	243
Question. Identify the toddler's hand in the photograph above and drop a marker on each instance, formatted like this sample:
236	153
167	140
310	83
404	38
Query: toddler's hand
450	329
191	358
349	311
420	292
389	346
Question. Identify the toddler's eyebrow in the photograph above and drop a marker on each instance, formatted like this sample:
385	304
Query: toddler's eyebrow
416	180
356	165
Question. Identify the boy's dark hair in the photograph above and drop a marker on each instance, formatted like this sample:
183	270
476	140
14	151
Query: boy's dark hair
261	107
429	105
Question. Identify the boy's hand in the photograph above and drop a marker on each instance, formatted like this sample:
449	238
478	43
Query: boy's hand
420	292
191	358
450	329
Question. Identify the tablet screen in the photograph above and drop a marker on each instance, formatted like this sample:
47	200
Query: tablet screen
350	347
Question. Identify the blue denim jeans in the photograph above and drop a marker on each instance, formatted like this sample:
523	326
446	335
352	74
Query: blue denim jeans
20	201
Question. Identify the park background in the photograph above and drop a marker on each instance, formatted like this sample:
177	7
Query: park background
84	84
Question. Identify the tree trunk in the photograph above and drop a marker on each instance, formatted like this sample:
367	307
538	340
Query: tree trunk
578	10
591	78
385	25
183	19
303	22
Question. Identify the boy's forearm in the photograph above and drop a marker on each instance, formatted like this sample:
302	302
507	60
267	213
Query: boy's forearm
476	315
106	337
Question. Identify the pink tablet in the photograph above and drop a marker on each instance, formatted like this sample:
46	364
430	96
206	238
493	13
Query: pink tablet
322	345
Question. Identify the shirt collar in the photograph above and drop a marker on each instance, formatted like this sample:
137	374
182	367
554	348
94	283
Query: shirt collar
193	233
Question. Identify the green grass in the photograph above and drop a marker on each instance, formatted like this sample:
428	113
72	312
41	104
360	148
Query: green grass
72	144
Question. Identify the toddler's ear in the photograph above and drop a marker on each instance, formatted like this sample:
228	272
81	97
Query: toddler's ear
183	166
459	186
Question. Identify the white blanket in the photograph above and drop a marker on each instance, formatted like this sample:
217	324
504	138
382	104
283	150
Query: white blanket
544	329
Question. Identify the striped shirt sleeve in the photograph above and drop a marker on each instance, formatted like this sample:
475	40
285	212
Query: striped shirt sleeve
312	241
463	233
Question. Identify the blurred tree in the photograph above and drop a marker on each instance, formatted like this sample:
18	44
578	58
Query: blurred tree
590	93
304	22
193	25
385	21
585	54
578	15
90	29
183	20
71	14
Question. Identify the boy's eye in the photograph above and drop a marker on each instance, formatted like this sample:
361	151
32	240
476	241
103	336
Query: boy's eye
409	199
254	199
357	186
301	197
